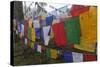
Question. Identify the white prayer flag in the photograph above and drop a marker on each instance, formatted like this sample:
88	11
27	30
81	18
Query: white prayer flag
39	48
36	24
26	41
46	37
77	57
22	29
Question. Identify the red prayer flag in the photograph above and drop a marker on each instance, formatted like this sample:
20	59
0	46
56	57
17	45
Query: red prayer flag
59	34
26	29
90	57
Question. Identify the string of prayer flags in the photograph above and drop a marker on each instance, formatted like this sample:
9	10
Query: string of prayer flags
78	9
59	34
88	24
45	34
54	54
90	57
68	56
72	28
56	39
77	57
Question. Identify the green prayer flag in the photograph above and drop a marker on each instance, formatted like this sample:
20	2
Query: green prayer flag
72	28
29	32
47	52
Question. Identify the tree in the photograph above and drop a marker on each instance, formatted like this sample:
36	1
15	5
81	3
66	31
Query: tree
18	10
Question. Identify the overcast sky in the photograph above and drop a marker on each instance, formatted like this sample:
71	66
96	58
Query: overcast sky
56	5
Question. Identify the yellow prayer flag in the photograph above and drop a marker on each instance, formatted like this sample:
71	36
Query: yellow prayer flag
88	24
32	45
53	53
30	23
32	37
33	34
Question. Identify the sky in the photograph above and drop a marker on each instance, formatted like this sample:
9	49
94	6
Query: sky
47	8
